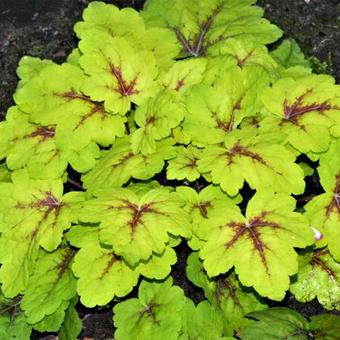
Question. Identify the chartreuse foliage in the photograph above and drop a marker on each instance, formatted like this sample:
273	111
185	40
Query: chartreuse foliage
170	125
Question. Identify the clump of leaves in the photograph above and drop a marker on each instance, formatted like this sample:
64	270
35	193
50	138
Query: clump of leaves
175	124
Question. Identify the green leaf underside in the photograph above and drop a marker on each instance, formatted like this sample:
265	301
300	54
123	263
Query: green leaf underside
204	30
253	159
263	239
226	294
323	211
34	213
318	276
276	323
51	284
137	227
118	165
154	315
304	114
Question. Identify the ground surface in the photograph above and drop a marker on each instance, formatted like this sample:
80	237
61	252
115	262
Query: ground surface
43	28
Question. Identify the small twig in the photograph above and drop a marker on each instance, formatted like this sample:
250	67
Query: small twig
75	184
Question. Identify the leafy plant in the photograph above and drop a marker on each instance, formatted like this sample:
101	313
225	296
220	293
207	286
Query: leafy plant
172	125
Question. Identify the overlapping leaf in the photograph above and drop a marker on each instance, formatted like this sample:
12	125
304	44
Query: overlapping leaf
137	226
323	211
226	294
204	28
259	245
34	147
254	159
318	276
302	111
33	213
214	111
51	284
119	164
154	315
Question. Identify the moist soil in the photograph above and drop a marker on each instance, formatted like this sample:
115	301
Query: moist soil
43	28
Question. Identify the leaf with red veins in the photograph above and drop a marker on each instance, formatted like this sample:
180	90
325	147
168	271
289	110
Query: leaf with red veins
303	111
204	30
246	157
137	226
323	211
216	109
118	74
259	245
34	213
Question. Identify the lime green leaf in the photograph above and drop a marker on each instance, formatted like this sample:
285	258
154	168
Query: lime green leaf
5	174
323	211
30	67
201	322
214	111
307	169
52	322
51	283
303	110
118	73
325	326
156	314
72	324
205	29
253	159
13	323
276	323
101	275
288	54
73	57
136	226
34	213
226	294
184	165
263	239
119	164
155	123
200	205
318	276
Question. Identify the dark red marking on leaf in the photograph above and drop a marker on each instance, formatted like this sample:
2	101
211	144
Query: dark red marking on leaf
296	110
149	311
221	286
124	88
196	47
241	62
179	84
44	132
227	126
251	231
97	108
335	203
72	95
150	120
203	208
317	261
238	149
108	266
122	160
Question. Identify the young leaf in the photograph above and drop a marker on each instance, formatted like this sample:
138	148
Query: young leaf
303	110
324	210
137	226
118	73
34	213
184	165
119	164
254	159
263	239
201	322
226	294
318	276
276	323
204	30
156	314
51	284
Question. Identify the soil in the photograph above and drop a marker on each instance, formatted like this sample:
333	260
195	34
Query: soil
43	29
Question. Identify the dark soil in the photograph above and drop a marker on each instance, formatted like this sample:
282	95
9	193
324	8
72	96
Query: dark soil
43	28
